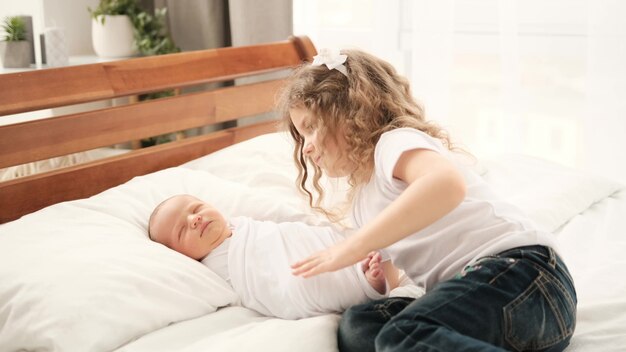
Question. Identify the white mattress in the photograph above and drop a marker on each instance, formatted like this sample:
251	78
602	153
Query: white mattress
83	276
593	244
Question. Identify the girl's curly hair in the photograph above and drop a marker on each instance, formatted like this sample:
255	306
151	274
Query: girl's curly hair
371	100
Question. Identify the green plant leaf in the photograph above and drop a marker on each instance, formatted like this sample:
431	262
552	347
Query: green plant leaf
14	29
115	7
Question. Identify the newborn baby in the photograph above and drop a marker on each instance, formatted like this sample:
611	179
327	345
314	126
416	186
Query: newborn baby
255	257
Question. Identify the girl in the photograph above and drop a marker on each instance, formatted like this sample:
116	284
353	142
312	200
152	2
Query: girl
493	280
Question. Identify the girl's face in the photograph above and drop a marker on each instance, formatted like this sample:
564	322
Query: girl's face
189	226
327	153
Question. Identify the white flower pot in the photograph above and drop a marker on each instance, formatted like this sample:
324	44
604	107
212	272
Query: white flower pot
114	38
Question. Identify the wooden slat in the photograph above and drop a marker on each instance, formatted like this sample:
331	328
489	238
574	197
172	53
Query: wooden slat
304	46
190	68
28	194
40	89
46	138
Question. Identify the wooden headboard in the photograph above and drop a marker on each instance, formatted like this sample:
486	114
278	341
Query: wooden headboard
61	135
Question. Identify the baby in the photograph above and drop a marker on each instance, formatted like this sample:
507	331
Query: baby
254	257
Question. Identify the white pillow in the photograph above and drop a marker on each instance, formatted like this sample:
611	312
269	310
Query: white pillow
261	162
83	276
266	162
549	193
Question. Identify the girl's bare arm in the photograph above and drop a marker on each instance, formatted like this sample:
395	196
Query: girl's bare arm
434	189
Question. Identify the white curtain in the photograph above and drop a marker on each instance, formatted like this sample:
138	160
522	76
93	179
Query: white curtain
543	78
604	124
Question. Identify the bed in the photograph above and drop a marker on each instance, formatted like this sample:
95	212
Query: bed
78	273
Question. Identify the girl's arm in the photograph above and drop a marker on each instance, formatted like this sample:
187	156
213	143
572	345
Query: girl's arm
434	189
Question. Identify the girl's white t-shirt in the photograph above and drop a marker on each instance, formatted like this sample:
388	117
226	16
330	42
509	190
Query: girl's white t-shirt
482	225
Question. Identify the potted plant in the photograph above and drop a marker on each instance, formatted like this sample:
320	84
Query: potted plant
112	29
148	36
121	28
151	36
15	50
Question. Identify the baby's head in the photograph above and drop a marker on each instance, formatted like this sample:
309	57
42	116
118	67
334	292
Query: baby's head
188	225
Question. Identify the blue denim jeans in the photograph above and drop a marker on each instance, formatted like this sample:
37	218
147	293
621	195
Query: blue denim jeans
520	300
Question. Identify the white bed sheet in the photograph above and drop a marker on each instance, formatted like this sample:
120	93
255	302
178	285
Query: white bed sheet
255	178
586	212
594	247
235	329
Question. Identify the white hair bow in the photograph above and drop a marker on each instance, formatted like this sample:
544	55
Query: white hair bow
333	59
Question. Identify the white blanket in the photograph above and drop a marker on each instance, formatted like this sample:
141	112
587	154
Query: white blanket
259	256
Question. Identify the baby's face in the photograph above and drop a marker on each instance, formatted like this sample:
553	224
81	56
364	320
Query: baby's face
189	226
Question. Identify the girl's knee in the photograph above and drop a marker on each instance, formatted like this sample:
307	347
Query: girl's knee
360	324
357	329
398	335
349	318
356	317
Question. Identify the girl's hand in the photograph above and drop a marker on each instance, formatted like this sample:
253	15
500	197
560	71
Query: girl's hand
333	258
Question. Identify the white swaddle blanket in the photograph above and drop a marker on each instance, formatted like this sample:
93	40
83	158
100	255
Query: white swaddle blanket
259	258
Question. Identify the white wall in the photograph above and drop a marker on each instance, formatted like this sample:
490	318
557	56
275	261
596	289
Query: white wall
69	15
72	16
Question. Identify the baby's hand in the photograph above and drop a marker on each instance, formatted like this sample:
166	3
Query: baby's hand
372	262
373	271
